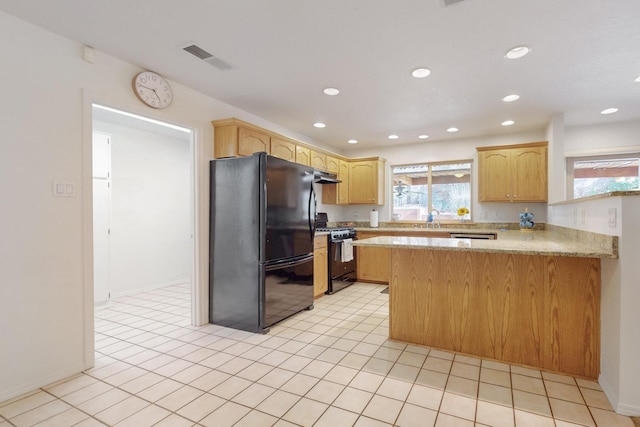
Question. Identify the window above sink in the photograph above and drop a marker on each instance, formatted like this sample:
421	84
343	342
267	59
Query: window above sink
439	188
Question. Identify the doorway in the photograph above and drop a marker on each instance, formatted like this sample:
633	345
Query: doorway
143	204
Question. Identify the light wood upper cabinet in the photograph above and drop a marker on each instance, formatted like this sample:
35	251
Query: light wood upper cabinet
362	179
343	187
303	155
283	149
333	164
337	194
250	142
366	182
516	173
232	138
318	161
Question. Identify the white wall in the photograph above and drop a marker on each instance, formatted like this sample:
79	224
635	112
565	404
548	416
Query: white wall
620	346
608	138
46	296
150	243
458	149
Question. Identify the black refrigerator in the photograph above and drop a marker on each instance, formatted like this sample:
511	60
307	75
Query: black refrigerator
261	241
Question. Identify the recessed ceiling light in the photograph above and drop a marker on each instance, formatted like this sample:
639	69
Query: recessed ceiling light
511	98
393	136
637	79
609	111
420	73
331	91
507	123
452	130
352	141
319	125
423	136
517	52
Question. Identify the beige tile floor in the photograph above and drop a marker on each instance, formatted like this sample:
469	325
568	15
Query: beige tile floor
332	366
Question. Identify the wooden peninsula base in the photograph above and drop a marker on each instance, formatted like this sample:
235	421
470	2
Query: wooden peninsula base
536	310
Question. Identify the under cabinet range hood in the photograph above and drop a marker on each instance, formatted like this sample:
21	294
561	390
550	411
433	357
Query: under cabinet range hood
322	177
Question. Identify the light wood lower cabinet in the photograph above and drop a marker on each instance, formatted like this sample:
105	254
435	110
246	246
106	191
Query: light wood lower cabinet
374	264
540	311
320	266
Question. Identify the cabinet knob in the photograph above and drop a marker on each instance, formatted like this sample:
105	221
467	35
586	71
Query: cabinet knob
507	196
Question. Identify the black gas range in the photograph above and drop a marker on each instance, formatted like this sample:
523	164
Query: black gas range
341	255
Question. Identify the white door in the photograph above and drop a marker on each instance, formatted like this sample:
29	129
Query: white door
101	204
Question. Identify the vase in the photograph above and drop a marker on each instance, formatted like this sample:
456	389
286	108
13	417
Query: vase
526	220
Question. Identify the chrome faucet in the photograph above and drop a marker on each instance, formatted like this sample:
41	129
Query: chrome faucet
431	221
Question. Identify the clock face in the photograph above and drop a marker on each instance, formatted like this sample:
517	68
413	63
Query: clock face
152	89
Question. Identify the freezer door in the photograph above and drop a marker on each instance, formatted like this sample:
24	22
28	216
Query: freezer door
290	208
288	289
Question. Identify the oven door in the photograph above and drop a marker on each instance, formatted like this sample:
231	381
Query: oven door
340	269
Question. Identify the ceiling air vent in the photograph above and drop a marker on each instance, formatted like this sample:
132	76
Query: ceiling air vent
202	54
450	2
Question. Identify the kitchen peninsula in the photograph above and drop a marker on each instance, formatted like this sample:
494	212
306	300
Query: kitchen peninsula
528	298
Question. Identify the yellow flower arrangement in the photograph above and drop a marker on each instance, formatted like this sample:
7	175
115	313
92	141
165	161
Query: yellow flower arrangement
462	211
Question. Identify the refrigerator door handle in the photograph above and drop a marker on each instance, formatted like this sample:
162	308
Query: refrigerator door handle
291	263
312	212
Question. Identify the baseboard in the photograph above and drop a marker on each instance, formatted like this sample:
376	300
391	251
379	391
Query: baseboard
620	408
150	288
31	387
629	410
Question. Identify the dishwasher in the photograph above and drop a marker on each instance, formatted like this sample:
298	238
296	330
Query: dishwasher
479	236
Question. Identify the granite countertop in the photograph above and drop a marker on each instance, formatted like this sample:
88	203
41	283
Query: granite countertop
516	242
446	229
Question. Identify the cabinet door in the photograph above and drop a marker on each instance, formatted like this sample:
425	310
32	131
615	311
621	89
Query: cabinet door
250	142
363	182
320	266
529	174
333	164
318	161
283	149
303	156
343	187
494	174
373	264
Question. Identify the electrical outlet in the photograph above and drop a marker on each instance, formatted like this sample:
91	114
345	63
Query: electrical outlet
355	214
496	215
613	217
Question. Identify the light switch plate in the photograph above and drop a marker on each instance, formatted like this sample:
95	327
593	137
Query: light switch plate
63	189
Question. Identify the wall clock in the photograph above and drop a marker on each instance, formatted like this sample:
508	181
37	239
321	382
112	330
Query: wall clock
152	89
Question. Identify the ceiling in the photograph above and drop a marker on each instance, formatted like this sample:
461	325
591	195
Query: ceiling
585	56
